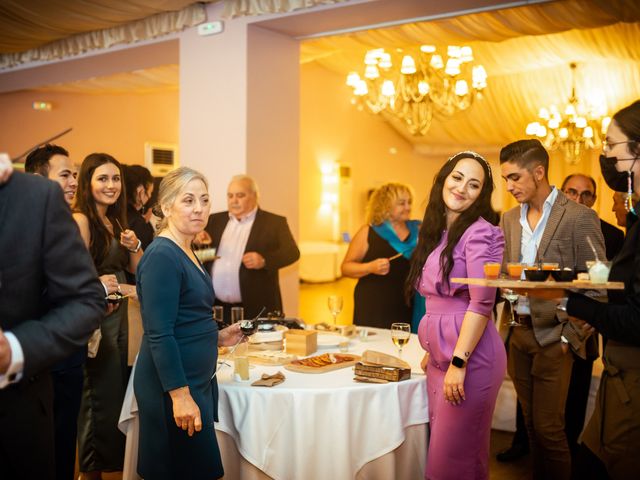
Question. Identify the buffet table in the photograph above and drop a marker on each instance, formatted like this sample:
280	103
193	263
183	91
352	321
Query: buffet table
317	425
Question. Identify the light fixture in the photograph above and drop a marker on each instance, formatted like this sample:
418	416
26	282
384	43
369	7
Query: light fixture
574	129
418	85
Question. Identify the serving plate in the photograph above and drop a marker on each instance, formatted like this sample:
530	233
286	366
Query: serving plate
330	340
547	284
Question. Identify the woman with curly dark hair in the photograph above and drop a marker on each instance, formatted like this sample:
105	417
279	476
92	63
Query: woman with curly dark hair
100	212
465	359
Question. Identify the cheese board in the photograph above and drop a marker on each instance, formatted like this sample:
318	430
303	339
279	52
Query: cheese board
547	284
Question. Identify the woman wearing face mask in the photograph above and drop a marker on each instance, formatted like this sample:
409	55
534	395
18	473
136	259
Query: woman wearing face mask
612	436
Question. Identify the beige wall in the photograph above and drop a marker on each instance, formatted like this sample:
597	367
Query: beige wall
332	130
115	124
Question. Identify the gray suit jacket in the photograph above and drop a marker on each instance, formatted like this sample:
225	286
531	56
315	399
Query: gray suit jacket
564	241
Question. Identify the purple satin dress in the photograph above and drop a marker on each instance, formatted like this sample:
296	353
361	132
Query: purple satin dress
459	441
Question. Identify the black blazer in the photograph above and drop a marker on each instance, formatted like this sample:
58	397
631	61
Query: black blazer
50	295
270	237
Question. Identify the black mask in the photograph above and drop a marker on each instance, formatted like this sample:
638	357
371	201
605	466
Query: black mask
617	181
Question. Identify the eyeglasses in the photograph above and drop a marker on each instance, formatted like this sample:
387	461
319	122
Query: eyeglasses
608	145
585	196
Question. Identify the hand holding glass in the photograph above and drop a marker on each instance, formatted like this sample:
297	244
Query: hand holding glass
400	335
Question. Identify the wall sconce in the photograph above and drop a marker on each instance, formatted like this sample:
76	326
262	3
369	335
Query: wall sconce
42	106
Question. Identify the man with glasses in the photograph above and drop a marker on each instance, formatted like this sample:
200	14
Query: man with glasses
582	189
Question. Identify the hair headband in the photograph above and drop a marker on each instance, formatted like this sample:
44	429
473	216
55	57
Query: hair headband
476	156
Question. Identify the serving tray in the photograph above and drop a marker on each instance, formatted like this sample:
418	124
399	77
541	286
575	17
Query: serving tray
547	284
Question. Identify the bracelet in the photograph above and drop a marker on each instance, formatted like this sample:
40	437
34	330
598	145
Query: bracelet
137	249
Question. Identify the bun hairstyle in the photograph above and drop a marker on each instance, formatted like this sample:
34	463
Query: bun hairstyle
170	187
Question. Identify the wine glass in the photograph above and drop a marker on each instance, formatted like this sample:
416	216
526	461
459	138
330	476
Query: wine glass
335	306
400	335
511	297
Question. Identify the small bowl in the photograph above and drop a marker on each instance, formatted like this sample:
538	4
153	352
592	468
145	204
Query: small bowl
534	275
563	275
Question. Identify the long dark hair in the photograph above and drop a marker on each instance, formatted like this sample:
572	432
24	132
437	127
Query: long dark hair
434	222
86	204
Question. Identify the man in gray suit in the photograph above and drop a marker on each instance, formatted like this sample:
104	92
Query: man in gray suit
546	227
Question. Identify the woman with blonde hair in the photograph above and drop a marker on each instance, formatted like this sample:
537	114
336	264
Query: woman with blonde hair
378	257
174	381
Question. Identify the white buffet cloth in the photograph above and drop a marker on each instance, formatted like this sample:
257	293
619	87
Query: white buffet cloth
322	425
312	425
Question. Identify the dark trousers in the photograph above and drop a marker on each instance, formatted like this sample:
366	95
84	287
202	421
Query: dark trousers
67	393
26	430
577	398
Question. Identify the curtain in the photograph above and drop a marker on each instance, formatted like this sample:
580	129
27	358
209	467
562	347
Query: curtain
95	14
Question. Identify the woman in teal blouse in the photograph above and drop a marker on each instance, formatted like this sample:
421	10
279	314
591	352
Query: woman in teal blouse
174	385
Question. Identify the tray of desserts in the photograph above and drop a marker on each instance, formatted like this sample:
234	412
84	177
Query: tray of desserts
544	284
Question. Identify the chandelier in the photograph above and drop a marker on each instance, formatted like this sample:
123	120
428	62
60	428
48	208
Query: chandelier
575	129
424	83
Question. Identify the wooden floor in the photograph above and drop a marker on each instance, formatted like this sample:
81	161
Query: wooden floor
314	309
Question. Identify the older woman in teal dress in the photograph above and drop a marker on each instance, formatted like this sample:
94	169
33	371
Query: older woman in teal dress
174	380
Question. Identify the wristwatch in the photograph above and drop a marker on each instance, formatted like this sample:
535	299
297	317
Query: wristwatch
458	362
137	249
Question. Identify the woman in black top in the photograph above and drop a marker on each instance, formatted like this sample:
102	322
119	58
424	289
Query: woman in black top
139	187
378	257
613	432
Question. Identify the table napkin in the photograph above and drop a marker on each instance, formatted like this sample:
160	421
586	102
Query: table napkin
269	380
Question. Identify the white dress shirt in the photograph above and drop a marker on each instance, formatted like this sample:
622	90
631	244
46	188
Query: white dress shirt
226	269
531	239
14	373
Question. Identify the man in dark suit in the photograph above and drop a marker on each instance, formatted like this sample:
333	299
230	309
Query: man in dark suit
53	162
252	245
582	189
50	302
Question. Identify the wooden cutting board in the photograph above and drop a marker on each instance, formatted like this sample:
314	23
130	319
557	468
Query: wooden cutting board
325	368
547	284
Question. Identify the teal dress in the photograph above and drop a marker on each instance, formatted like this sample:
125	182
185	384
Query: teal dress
179	348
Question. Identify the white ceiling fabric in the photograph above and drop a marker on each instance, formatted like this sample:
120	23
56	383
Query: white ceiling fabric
526	52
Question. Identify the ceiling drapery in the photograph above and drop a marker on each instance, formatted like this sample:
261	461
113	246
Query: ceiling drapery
526	52
241	8
83	25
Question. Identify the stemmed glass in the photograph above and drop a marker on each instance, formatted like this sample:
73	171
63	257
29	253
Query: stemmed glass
248	328
511	297
400	335
335	306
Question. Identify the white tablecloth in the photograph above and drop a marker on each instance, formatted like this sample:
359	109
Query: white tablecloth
313	425
322	425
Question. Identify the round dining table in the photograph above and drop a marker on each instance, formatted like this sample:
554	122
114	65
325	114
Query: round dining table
316	425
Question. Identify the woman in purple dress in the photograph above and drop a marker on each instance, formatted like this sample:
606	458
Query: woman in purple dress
465	359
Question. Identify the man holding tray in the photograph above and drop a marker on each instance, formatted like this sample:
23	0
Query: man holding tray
546	227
